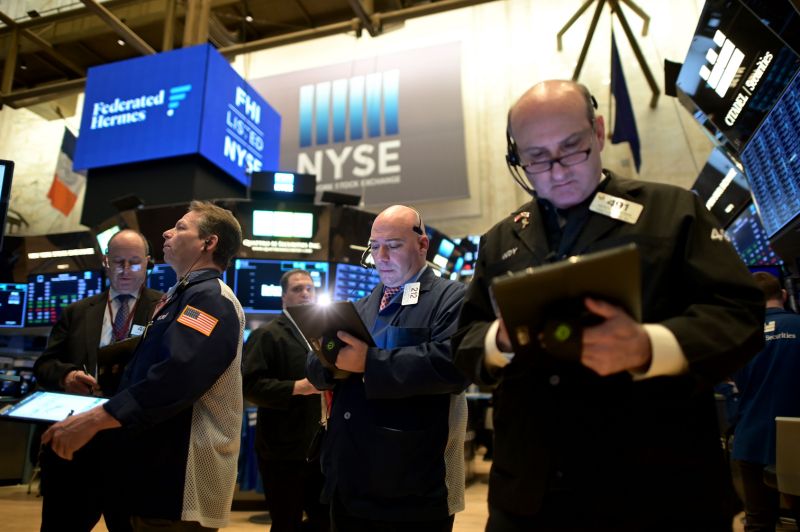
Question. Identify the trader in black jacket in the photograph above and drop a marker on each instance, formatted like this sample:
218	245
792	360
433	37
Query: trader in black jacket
77	493
626	438
289	413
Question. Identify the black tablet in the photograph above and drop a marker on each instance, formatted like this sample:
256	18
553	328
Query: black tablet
49	407
543	307
319	324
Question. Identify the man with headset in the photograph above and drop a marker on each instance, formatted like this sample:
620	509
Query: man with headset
626	438
73	362
393	452
181	397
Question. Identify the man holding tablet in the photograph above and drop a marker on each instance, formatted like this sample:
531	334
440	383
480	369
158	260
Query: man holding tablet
73	500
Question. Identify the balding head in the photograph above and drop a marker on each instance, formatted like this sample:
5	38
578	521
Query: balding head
398	250
126	261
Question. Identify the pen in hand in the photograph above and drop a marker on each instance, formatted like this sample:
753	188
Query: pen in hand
91	388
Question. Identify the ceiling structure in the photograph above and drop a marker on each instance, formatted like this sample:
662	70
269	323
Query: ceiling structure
45	55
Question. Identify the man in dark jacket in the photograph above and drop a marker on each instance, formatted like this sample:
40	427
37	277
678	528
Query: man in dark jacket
393	455
289	414
75	494
626	438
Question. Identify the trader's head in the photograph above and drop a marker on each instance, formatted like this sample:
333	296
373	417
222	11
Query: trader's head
398	244
126	261
555	121
297	288
207	236
774	294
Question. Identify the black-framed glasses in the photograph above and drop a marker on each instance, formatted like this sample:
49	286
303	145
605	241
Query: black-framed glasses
570	159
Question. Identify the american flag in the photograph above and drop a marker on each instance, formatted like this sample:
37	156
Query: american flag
198	320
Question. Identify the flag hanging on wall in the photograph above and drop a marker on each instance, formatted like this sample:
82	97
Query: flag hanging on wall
67	184
624	121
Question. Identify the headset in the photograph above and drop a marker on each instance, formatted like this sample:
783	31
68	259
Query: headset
419	228
513	161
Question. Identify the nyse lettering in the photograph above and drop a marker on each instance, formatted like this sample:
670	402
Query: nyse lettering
362	160
241	156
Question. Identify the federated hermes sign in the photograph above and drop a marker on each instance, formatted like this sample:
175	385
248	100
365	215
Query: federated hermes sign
388	128
176	103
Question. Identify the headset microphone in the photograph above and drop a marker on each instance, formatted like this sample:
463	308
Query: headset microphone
365	259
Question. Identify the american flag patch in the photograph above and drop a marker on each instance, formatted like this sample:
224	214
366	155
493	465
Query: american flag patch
198	320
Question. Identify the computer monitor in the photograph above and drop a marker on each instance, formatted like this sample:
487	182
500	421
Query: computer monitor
722	186
161	277
257	282
13	300
6	173
104	236
750	240
353	281
50	293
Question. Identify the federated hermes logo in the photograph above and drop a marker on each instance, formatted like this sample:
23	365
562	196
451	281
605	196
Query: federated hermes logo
120	112
335	111
725	72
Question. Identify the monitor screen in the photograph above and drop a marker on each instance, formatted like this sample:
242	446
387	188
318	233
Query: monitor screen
257	282
749	239
50	293
283	224
353	282
722	187
161	277
446	248
772	162
13	299
6	173
104	236
735	70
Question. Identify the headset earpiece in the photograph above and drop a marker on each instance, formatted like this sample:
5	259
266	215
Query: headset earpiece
206	243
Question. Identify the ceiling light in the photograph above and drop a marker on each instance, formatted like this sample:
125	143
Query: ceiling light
120	42
249	18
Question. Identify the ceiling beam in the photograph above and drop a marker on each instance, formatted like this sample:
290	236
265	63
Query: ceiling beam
44	45
42	93
11	64
119	27
364	14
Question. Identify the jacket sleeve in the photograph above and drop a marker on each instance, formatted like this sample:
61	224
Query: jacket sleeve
426	368
721	327
191	363
54	363
317	374
260	386
473	324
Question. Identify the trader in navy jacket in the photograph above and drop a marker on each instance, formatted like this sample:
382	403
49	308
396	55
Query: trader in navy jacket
393	452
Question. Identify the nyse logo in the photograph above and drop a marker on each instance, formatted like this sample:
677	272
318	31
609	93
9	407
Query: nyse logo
725	64
360	113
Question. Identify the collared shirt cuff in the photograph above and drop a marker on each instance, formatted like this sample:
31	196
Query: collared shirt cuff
667	355
493	358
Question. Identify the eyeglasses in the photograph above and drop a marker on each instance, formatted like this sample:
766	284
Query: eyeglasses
570	159
118	265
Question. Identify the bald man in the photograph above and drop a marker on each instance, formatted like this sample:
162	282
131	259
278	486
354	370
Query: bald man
626	438
393	454
77	493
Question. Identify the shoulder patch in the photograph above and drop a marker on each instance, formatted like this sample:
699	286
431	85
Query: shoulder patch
198	320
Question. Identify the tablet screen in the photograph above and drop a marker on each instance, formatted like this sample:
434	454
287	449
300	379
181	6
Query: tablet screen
49	407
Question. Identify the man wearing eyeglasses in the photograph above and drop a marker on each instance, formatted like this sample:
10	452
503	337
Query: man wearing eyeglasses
626	438
77	493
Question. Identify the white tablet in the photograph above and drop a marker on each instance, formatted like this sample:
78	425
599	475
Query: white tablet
49	407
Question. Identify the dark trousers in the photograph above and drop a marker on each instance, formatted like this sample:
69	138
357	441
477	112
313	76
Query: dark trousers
342	521
561	512
761	502
292	486
77	492
147	524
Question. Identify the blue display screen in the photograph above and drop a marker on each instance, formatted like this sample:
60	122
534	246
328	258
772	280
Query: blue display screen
50	293
257	282
176	103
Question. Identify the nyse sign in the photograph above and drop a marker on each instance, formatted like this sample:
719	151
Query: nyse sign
373	164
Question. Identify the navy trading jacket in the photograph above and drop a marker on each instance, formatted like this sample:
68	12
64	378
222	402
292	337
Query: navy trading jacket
181	401
395	441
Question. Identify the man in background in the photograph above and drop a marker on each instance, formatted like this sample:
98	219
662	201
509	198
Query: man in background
393	454
180	400
289	414
768	387
76	493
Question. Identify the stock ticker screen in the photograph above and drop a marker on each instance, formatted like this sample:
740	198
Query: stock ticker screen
257	282
50	293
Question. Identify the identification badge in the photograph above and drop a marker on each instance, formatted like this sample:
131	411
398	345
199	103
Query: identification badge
616	208
137	330
410	294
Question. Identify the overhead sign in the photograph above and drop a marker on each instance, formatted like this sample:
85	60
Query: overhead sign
176	103
388	128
